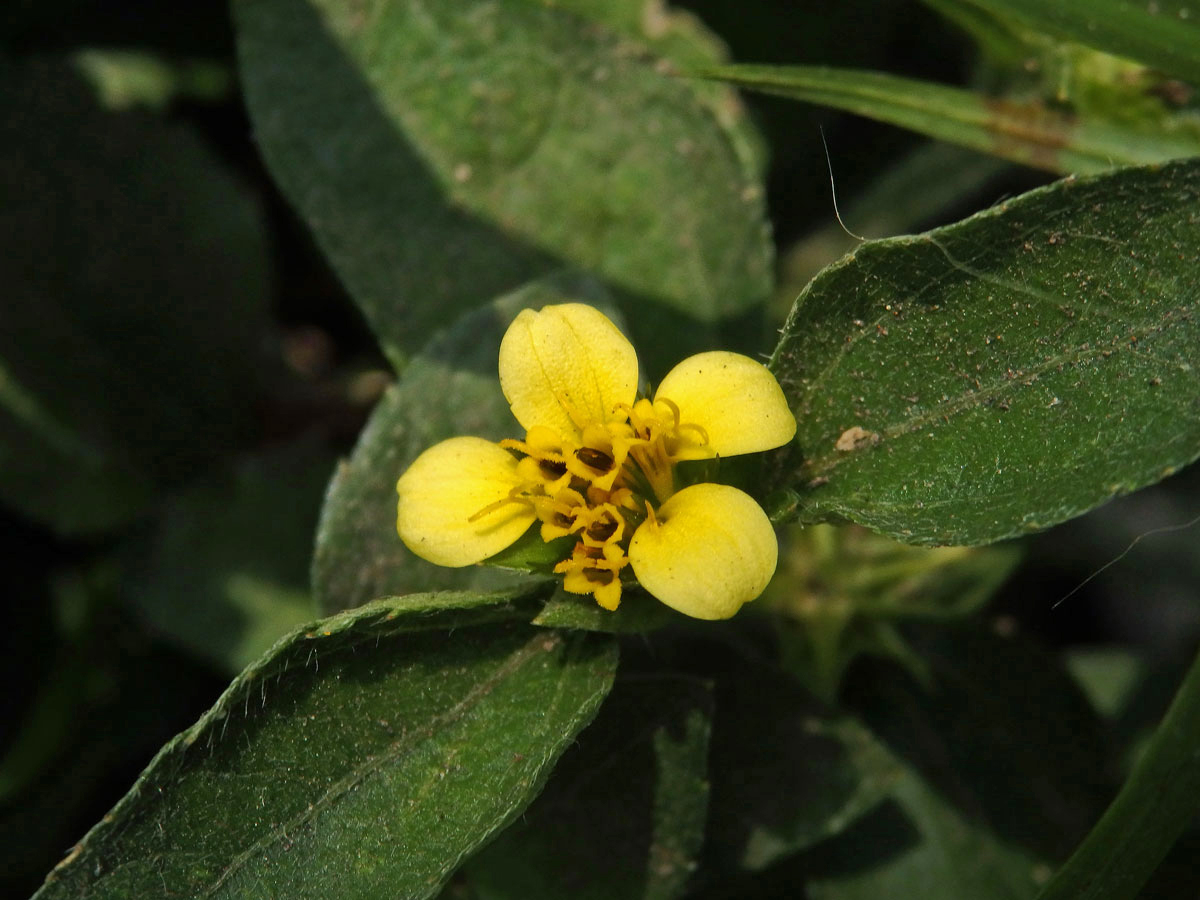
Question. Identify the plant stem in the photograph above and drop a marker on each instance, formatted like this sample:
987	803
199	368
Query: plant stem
1158	801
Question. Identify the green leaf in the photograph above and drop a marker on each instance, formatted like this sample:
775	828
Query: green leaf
785	775
639	612
839	591
917	845
110	697
997	38
1158	802
1108	675
1024	131
1164	34
1006	373
135	288
917	190
362	758
623	814
998	728
224	572
801	796
445	153
125	79
451	388
682	40
1003	768
852	568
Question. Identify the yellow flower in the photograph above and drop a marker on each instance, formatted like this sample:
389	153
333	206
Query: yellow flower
600	464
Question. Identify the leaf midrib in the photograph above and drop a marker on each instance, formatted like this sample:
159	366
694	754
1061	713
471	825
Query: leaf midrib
535	647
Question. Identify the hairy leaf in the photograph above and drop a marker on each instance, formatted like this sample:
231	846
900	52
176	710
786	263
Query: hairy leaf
1006	373
444	153
364	757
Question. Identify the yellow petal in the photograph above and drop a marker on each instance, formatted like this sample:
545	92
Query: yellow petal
565	367
709	549
736	400
442	494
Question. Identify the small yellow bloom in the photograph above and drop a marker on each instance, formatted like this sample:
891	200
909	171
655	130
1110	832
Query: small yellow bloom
599	464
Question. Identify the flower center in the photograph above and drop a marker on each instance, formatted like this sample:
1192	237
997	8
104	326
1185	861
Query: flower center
601	484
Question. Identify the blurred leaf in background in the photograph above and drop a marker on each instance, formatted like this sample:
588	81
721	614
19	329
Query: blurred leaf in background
136	288
224	572
444	155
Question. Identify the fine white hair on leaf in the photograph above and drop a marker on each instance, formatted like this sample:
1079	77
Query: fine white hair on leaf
1165	529
833	188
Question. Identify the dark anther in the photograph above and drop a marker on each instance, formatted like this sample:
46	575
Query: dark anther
598	576
552	469
596	459
563	521
602	530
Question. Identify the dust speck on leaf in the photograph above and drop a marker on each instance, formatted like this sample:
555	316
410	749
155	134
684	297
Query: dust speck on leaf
856	438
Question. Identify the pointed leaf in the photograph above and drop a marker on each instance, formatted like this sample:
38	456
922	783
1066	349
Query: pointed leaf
1027	132
362	758
1006	373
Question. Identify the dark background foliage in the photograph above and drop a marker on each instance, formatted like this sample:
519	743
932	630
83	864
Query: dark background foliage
97	675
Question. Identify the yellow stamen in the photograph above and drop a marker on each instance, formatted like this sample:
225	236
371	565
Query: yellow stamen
516	495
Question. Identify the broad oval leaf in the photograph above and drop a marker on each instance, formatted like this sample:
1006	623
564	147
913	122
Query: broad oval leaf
444	153
364	757
1006	373
683	40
